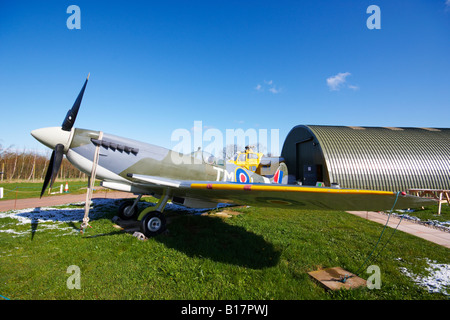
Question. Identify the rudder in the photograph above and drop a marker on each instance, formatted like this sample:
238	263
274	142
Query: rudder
281	175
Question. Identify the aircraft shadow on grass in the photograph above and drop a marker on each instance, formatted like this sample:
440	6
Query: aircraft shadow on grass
210	237
213	238
197	236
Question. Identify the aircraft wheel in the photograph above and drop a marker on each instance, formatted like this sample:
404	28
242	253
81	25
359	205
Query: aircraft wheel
153	224
126	213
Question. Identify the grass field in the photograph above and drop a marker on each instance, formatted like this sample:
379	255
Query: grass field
259	253
24	190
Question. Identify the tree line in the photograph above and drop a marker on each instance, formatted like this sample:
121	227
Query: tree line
31	166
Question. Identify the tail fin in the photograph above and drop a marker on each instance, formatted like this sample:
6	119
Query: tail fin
281	175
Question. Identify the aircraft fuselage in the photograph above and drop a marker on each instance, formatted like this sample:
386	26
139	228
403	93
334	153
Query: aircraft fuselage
119	157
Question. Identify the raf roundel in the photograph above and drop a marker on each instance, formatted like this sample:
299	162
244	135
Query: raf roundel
241	176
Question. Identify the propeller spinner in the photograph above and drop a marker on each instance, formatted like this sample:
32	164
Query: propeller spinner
58	139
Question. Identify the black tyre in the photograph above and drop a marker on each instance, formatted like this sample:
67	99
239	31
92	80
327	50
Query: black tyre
126	213
153	224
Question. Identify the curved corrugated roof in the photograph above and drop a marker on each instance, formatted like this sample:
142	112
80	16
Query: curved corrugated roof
386	158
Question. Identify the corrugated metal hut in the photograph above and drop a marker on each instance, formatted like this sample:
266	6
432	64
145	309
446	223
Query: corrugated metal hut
375	158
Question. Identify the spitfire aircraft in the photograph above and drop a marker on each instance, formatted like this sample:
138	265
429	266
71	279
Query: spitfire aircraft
196	180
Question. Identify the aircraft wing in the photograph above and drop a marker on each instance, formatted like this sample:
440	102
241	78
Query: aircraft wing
158	181
284	196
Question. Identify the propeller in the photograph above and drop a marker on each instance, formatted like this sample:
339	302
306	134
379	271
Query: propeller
72	113
58	151
53	167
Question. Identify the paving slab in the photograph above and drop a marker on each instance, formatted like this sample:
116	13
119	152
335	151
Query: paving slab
337	278
428	233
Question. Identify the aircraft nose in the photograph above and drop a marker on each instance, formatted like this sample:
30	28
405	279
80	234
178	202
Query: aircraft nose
52	136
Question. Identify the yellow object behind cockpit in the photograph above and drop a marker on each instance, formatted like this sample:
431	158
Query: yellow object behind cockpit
248	160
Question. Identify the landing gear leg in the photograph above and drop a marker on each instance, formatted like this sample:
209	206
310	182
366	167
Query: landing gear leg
152	220
129	210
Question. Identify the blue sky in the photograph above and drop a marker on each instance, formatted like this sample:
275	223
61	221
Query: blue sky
157	66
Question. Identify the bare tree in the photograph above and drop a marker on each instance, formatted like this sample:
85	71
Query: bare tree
31	165
230	150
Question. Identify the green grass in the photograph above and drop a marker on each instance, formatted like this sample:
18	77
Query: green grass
24	190
260	254
430	213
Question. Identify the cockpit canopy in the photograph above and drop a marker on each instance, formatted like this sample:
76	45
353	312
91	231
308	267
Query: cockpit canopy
206	157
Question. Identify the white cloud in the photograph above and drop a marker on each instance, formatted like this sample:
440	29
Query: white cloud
337	81
447	6
274	90
269	86
350	86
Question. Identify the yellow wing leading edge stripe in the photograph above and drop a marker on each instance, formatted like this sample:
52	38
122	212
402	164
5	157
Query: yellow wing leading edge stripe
281	188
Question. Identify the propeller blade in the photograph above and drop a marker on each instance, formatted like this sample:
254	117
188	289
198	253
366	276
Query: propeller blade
53	167
48	174
69	120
